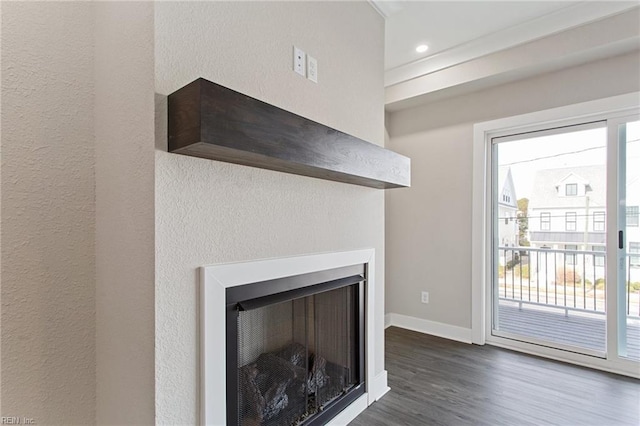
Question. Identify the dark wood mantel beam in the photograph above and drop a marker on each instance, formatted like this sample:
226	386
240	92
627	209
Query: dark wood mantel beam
211	121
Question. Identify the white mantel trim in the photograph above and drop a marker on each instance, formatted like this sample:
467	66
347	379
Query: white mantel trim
215	279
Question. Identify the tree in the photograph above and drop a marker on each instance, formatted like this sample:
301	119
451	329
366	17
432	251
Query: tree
523	222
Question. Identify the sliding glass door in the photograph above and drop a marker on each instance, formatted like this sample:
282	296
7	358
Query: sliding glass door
549	209
565	238
626	344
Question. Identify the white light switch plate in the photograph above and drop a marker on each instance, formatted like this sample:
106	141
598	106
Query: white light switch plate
312	68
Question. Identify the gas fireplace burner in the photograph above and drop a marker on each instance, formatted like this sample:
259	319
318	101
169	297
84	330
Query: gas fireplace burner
295	348
283	387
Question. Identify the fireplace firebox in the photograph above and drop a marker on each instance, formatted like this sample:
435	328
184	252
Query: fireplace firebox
295	350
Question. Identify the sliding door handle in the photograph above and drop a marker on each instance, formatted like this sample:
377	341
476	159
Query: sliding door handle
620	240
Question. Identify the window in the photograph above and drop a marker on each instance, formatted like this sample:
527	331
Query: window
633	212
570	221
570	258
634	248
545	221
598	259
598	221
571	189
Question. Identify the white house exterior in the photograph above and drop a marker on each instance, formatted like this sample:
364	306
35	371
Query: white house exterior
567	211
633	224
507	212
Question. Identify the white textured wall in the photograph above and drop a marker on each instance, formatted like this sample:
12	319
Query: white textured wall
124	134
0	215
210	212
48	293
428	226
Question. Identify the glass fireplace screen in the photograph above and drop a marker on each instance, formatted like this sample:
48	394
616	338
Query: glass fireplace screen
296	358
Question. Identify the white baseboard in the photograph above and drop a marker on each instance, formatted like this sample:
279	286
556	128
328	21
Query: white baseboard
387	321
379	387
433	328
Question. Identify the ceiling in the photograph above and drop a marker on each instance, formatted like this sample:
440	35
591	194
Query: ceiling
474	44
444	25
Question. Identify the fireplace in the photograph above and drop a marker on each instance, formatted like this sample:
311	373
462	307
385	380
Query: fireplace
295	348
290	340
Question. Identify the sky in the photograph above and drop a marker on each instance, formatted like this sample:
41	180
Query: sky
576	148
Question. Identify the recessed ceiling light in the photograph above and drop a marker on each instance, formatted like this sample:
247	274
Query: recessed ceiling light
422	48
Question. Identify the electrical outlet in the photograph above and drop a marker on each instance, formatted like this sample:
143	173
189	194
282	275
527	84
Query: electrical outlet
425	297
299	61
312	69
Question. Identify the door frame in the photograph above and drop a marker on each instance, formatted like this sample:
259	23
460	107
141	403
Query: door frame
616	295
481	241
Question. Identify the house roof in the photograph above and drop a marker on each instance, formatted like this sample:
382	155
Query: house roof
505	179
545	187
503	171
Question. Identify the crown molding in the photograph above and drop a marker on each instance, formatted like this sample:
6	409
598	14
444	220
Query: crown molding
534	29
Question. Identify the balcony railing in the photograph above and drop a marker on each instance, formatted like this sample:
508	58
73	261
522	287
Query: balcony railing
572	280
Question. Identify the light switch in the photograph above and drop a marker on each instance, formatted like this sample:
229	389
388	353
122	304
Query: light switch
312	69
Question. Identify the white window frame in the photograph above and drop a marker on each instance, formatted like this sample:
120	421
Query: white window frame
570	259
634	213
573	221
547	221
566	189
601	218
634	248
481	277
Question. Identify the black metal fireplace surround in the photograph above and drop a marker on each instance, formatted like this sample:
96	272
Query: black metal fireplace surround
295	348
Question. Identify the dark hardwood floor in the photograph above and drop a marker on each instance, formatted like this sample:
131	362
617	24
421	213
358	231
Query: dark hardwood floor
435	381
